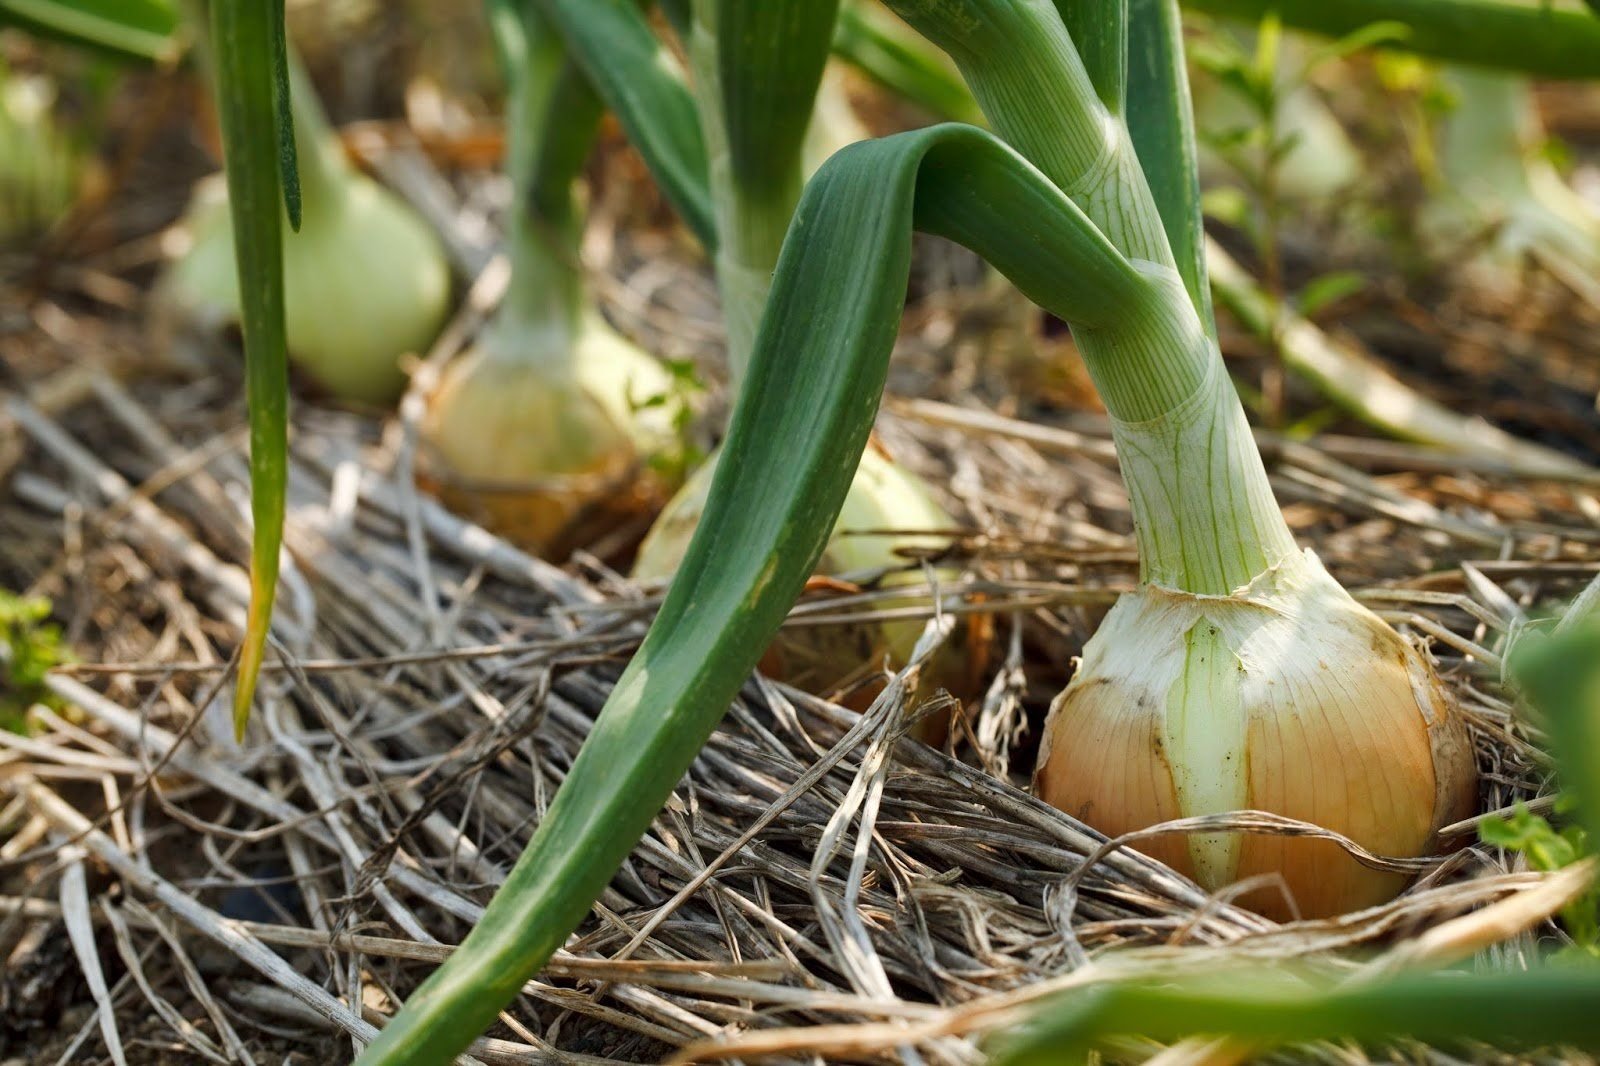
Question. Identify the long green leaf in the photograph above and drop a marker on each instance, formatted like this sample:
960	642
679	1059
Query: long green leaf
1099	30
1529	38
138	29
638	80
798	428
1161	121
770	55
756	65
246	64
1546	1007
888	52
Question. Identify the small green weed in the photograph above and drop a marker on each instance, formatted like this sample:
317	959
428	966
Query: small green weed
30	645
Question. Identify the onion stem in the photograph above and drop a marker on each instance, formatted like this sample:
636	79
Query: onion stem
751	216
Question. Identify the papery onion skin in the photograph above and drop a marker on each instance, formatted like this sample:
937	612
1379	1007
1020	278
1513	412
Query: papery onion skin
1288	697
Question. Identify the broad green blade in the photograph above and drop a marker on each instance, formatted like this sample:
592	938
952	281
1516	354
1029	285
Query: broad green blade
1161	121
770	55
1529	38
1546	1007
1099	30
890	53
638	79
246	65
797	434
138	29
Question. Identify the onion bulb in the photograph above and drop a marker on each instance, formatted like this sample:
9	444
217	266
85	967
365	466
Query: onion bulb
883	497
1286	696
552	453
365	284
39	167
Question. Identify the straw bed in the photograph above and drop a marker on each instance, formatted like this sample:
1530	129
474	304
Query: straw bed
431	684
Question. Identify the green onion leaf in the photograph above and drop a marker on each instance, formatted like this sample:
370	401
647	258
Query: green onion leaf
770	56
288	168
243	36
1531	39
799	428
1161	122
639	81
1099	32
1550	1006
137	29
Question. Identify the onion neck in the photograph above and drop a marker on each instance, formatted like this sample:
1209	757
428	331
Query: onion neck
751	219
548	136
1203	510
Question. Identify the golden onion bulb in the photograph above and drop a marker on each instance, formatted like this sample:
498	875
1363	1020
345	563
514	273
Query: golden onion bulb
365	284
551	454
40	168
1287	696
883	498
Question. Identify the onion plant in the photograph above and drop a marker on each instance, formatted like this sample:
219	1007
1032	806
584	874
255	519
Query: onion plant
1236	635
1550	1004
552	426
1503	195
1228	679
1245	674
367	281
758	98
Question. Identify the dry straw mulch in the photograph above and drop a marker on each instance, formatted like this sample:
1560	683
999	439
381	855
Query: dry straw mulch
818	885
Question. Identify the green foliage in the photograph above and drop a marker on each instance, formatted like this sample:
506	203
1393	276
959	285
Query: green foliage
1160	121
30	646
1525	38
133	29
1325	290
799	428
250	64
1548	848
1542	1007
679	397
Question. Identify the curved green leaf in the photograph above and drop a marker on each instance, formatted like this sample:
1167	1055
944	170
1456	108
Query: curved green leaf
889	53
138	29
799	427
245	67
1099	31
770	55
1160	119
1528	38
1551	1006
637	78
